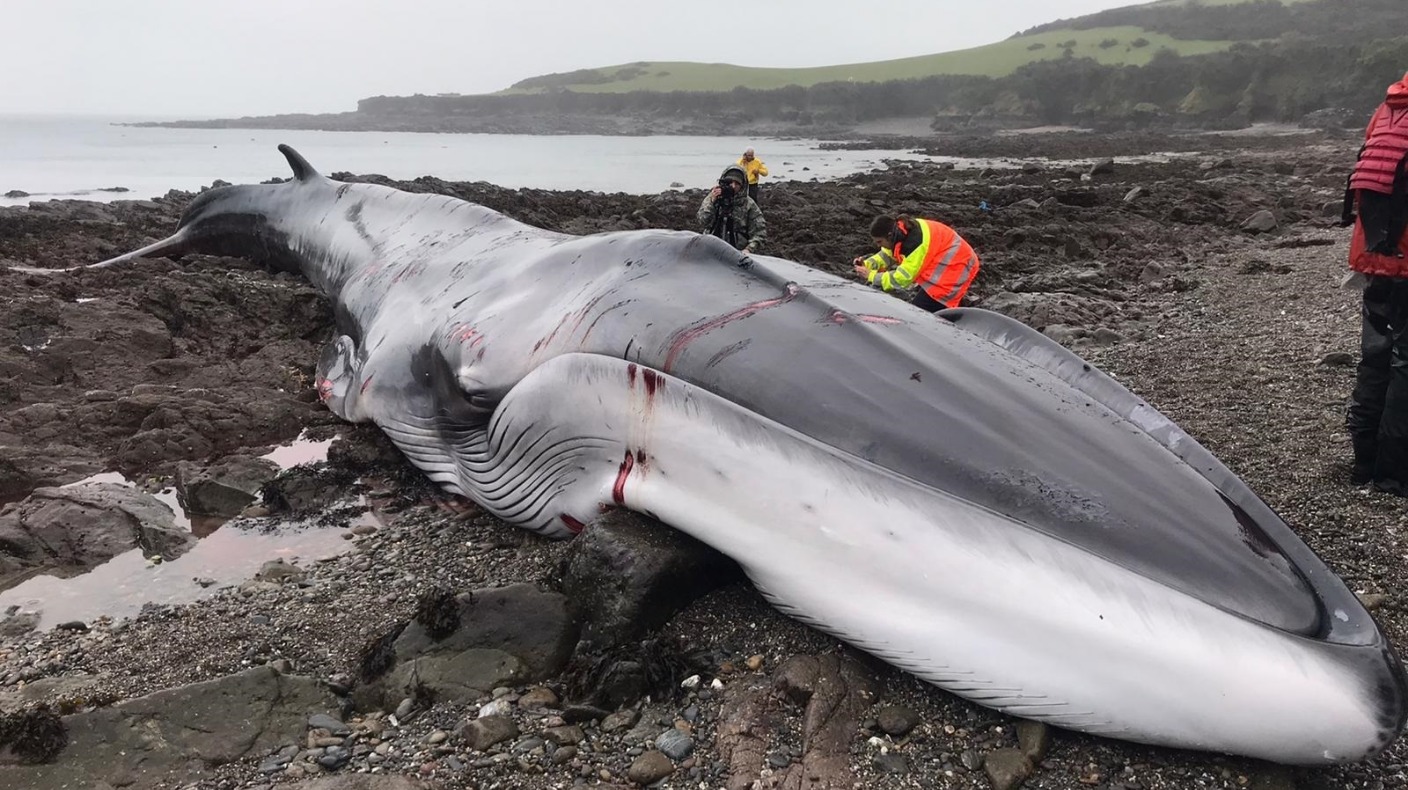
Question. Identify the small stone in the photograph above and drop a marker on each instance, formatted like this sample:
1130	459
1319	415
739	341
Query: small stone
540	698
1033	738
1007	768
484	732
1373	601
891	763
896	720
649	768
498	707
562	736
620	720
1262	221
322	721
675	744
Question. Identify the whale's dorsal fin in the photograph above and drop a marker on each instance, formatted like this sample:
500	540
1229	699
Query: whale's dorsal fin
301	169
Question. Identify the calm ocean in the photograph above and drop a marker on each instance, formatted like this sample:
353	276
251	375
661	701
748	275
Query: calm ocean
72	157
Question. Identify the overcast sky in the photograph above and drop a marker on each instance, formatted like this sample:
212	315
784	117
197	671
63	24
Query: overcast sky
223	58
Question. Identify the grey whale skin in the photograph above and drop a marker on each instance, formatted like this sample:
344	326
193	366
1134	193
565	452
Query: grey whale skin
963	498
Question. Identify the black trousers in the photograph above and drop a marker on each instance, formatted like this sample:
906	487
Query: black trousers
1377	418
753	192
924	301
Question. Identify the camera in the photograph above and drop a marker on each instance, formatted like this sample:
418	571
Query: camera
726	187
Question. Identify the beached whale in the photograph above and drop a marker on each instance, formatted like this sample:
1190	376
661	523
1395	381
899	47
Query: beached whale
963	498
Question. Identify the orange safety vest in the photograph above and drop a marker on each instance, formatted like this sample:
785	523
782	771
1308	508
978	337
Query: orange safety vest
944	264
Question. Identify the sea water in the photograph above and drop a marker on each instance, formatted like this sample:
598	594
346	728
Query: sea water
52	157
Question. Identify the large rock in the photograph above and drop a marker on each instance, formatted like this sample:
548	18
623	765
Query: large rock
469	644
224	488
69	530
627	574
25	468
171	737
1262	221
836	692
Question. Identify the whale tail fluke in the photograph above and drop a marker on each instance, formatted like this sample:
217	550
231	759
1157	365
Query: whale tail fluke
302	171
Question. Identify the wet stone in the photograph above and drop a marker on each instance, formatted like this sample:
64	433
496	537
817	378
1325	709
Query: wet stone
482	733
334	757
540	698
891	763
896	720
568	734
564	754
675	744
1007	768
649	768
322	721
620	720
1033	738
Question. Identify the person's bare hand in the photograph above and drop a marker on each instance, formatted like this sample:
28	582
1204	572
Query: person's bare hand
861	270
715	192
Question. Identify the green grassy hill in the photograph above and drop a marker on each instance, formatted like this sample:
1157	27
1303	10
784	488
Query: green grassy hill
1167	24
1109	45
1171	63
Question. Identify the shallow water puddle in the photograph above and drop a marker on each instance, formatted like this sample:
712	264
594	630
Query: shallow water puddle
225	555
300	451
121	586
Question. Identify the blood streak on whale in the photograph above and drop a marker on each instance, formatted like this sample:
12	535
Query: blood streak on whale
618	489
684	337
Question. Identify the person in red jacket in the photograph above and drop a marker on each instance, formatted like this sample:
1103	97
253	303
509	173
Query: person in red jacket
1377	417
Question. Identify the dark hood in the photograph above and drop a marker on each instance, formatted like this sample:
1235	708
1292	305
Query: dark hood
737	171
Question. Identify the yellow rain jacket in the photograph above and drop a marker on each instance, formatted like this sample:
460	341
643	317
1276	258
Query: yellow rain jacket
754	169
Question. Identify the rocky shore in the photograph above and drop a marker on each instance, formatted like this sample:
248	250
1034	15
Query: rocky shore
442	648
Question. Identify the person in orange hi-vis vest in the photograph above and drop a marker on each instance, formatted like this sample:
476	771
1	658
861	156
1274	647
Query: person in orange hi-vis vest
923	253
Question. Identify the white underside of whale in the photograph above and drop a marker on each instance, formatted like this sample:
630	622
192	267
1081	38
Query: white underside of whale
987	608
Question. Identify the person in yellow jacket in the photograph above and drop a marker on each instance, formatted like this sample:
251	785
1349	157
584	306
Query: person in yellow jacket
923	253
754	167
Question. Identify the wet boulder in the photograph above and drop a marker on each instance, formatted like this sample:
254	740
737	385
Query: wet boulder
172	736
223	488
1262	221
459	647
66	531
627	574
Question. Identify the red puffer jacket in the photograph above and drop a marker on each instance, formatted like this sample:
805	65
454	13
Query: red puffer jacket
1385	142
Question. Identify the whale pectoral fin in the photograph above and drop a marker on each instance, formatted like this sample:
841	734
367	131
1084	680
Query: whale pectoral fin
173	246
339	378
